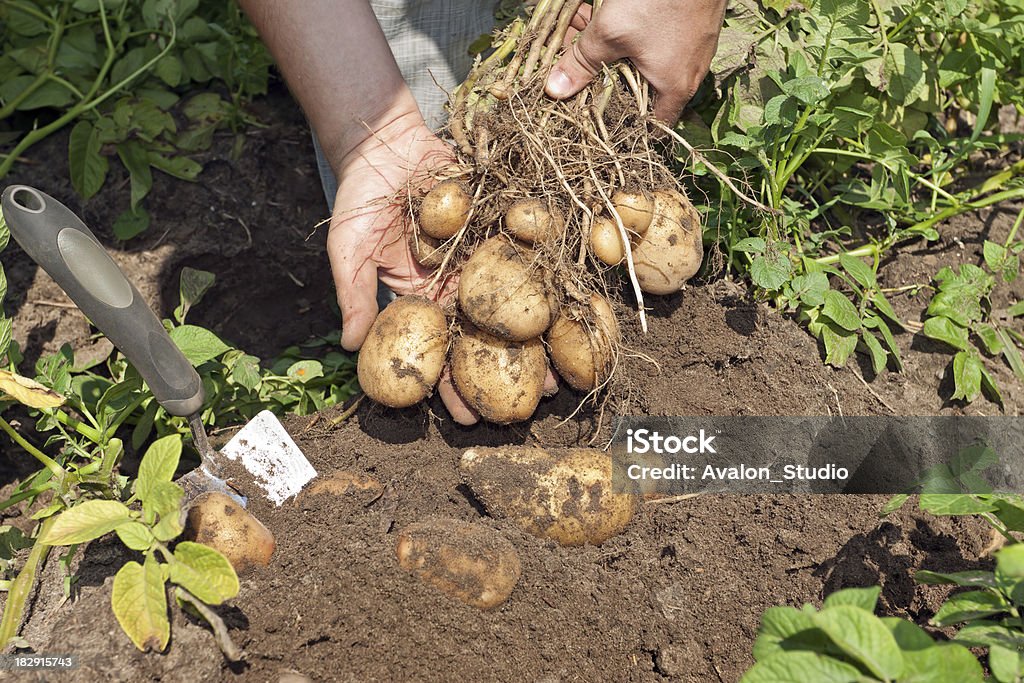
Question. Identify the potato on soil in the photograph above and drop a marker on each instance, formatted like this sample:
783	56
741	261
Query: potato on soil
444	210
562	494
502	380
426	250
672	250
583	348
404	352
216	520
344	482
467	561
606	242
534	221
502	292
635	209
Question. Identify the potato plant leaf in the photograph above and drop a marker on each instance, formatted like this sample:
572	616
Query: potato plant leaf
967	371
204	572
135	535
139	602
158	465
968	607
802	667
864	598
28	391
862	637
87	167
86	521
198	344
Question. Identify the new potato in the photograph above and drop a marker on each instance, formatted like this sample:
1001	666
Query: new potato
503	293
444	210
534	221
671	251
562	494
583	348
467	561
502	380
404	352
216	520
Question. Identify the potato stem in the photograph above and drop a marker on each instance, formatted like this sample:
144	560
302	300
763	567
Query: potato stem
550	18
558	37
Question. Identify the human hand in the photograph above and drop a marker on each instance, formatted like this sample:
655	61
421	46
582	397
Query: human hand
367	239
671	42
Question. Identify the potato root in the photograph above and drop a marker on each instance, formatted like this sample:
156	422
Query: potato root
534	221
404	352
672	250
502	380
470	562
216	520
444	210
562	494
583	349
501	292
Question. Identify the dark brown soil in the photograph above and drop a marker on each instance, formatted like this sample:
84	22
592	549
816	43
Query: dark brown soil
677	597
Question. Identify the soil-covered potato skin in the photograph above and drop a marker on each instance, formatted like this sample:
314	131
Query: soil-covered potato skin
502	380
535	221
403	355
216	520
470	562
444	210
584	351
501	291
562	494
671	251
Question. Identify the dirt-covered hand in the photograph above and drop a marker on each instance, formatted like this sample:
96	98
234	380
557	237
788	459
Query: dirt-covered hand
671	42
368	231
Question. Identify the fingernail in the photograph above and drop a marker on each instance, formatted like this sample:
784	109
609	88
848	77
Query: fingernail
558	85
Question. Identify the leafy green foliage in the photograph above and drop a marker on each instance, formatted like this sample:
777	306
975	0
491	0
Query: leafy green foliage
961	316
118	71
139	597
845	641
838	117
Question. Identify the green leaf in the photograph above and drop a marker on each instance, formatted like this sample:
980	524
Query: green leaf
198	344
179	167
968	579
810	288
876	323
752	245
864	598
859	271
942	504
1007	665
988	633
841	310
898	73
87	167
908	635
246	371
786	628
839	345
204	572
158	464
135	535
878	354
771	273
801	667
193	285
942	663
864	638
1016	310
86	521
895	503
945	330
136	160
140	604
169	70
1010	561
163	499
1009	512
131	223
306	370
989	337
807	89
968	607
966	376
1012	354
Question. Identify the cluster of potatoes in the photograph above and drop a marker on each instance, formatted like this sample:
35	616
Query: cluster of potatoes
510	316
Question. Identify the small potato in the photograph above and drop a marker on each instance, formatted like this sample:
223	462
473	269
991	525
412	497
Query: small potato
671	251
635	209
606	242
216	520
535	221
502	292
562	494
583	348
501	380
444	210
344	482
403	355
470	562
426	250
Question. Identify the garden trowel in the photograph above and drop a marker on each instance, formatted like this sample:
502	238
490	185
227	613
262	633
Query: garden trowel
65	248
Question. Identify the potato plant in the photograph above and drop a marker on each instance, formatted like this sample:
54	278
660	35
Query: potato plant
555	218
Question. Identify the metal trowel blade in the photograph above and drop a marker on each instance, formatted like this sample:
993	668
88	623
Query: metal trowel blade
268	453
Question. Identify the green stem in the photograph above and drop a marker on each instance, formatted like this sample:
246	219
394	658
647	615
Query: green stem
46	460
22	586
1013	230
994	522
18	497
871	250
85	430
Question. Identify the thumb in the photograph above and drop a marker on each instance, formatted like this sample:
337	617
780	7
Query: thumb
357	298
580	63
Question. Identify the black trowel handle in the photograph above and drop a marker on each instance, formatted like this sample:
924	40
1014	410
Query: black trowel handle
58	241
